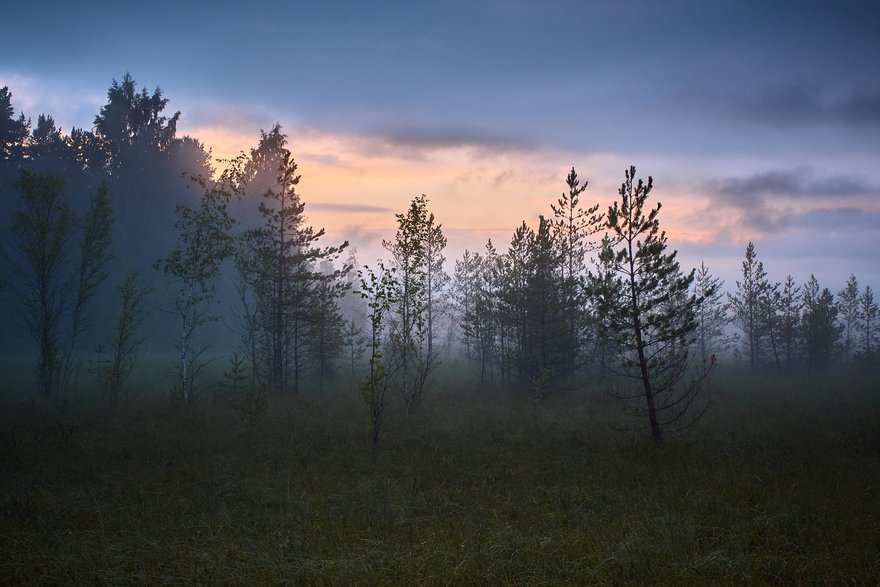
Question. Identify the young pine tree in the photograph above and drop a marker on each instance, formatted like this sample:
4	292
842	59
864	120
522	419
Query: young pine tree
819	327
712	317
650	317
848	311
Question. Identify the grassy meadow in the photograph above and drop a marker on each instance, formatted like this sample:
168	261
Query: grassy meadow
778	484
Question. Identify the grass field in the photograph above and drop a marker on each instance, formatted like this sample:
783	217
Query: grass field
779	483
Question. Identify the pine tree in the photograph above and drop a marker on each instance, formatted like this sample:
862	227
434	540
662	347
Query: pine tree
789	320
574	226
848	311
745	305
820	331
712	317
868	316
283	254
13	131
650	317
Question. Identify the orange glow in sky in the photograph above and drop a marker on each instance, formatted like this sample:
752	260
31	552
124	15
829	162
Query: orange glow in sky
353	185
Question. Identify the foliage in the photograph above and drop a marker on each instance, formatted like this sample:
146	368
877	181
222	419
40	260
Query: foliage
53	279
868	317
294	303
574	228
13	131
789	320
247	398
377	290
745	305
848	312
124	341
414	259
204	242
132	122
650	318
91	272
712	318
819	327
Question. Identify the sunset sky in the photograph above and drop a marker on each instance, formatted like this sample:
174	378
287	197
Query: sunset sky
757	120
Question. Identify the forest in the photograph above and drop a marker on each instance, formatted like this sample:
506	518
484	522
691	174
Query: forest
199	383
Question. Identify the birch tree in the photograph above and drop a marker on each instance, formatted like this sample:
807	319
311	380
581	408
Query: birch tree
57	262
204	242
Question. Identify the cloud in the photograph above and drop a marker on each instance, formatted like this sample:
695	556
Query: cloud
800	104
348	207
780	199
840	220
416	141
231	117
799	182
325	159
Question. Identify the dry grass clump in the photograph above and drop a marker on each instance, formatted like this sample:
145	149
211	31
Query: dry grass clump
779	484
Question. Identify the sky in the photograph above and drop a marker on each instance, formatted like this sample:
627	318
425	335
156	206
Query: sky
757	120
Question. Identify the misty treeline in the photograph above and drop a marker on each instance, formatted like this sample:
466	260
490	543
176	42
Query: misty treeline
125	239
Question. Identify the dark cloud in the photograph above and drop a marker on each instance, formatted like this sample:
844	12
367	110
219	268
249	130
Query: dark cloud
359	208
797	105
750	197
844	219
799	183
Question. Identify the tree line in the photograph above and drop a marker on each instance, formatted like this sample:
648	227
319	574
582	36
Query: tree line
584	294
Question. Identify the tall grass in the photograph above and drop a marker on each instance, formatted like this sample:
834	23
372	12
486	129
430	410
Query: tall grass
779	483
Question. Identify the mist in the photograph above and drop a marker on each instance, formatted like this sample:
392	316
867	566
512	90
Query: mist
205	384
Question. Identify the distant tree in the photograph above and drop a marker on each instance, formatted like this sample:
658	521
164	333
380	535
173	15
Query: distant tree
54	278
204	242
85	150
135	144
745	305
848	312
282	273
546	348
650	317
789	320
327	331
475	294
819	328
91	272
464	286
513	274
123	340
769	307
13	131
43	229
712	319
436	279
132	123
354	340
868	316
46	140
574	228
412	352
